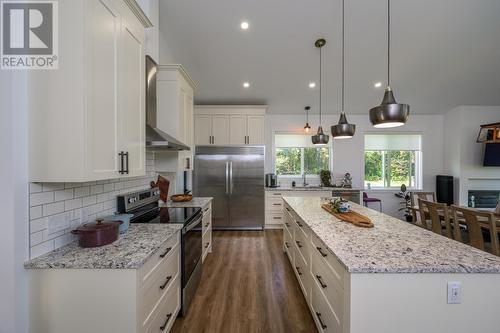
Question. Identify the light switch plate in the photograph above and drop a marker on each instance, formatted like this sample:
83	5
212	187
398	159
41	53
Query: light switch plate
454	292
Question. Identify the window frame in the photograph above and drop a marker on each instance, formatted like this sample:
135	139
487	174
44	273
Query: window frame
418	162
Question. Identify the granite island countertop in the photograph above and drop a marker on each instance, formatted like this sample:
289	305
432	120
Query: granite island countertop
196	202
392	246
310	188
130	251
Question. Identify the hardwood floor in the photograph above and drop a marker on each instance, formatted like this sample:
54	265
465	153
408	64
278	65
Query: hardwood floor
247	286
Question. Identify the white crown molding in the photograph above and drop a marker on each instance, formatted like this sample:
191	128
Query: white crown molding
181	69
139	13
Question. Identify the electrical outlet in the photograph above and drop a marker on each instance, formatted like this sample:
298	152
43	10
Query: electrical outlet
454	292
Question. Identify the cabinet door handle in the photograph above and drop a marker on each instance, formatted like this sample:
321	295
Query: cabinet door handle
298	244
166	252
318	315
320	280
298	270
166	282
121	171
162	327
126	163
206	245
321	252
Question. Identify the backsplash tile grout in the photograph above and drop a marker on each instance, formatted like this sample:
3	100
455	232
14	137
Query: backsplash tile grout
58	208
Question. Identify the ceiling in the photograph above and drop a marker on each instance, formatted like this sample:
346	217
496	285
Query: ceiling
445	53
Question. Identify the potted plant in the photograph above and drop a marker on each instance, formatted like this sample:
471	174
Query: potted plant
325	177
405	195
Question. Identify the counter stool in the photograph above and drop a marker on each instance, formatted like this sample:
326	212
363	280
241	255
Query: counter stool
366	200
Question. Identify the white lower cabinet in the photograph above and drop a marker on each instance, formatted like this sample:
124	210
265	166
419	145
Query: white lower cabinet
320	276
207	231
141	300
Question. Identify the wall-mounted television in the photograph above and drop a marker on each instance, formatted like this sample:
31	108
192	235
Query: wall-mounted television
491	154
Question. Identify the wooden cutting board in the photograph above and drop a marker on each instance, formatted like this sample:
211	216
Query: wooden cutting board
353	217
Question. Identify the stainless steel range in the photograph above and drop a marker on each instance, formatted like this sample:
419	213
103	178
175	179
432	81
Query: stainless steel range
144	206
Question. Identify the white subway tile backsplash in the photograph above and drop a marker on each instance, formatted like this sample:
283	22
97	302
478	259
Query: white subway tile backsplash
35	212
63	194
41	198
53	208
58	208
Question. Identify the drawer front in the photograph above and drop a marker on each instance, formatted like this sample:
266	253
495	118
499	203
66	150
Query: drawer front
302	273
274	204
153	263
301	242
206	243
325	319
288	246
324	279
288	224
320	251
274	218
207	219
299	225
160	283
167	310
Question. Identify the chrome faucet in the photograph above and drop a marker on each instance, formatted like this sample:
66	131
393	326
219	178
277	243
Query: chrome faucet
304	181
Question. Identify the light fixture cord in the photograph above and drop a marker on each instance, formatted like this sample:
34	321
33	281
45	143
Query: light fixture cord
320	85
343	55
388	43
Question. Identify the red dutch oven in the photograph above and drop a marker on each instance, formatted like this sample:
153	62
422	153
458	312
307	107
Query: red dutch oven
97	233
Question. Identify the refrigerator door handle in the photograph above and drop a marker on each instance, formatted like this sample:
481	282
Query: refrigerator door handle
230	177
227	177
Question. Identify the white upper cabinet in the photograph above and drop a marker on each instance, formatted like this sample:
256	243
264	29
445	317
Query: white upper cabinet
86	119
229	125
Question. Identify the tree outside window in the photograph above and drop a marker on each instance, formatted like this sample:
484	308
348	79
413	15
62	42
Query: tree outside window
390	168
295	161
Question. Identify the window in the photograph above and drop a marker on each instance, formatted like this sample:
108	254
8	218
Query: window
392	160
295	154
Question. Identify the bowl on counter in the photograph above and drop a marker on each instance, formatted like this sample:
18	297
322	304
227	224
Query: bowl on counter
125	218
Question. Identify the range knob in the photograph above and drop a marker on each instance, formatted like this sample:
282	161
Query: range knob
156	192
132	200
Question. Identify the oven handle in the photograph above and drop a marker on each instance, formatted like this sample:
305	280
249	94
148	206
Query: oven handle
193	224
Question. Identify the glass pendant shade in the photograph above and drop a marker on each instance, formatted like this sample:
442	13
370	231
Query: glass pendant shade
320	138
390	113
307	128
343	130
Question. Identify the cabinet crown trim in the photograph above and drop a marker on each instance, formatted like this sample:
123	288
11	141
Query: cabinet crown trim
179	68
139	13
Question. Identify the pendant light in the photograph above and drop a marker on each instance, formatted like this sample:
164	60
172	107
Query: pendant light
307	128
389	113
343	130
320	138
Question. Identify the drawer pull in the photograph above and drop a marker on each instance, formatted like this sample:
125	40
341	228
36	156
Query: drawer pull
299	224
207	224
298	270
298	244
323	326
206	209
320	280
166	282
288	209
166	252
276	193
287	244
162	327
287	224
276	204
277	218
321	252
207	244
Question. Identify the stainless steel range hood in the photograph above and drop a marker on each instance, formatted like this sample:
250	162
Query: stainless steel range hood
156	139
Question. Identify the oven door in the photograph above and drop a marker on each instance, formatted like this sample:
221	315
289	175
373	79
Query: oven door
191	248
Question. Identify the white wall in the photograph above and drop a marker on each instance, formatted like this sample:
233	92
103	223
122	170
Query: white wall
13	202
348	155
463	156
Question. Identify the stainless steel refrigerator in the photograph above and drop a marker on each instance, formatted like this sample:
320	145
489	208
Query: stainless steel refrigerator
234	177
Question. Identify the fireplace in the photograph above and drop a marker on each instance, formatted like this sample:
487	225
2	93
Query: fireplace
483	199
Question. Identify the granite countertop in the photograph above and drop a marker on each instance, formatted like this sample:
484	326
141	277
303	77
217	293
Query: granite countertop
392	246
310	188
196	202
130	251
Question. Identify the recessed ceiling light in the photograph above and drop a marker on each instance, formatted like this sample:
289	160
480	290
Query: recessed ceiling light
377	84
312	84
246	85
244	25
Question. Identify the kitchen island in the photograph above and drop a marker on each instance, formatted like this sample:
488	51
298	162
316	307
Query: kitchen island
131	285
390	278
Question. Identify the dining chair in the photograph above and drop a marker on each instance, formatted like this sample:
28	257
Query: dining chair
414	206
476	221
439	217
